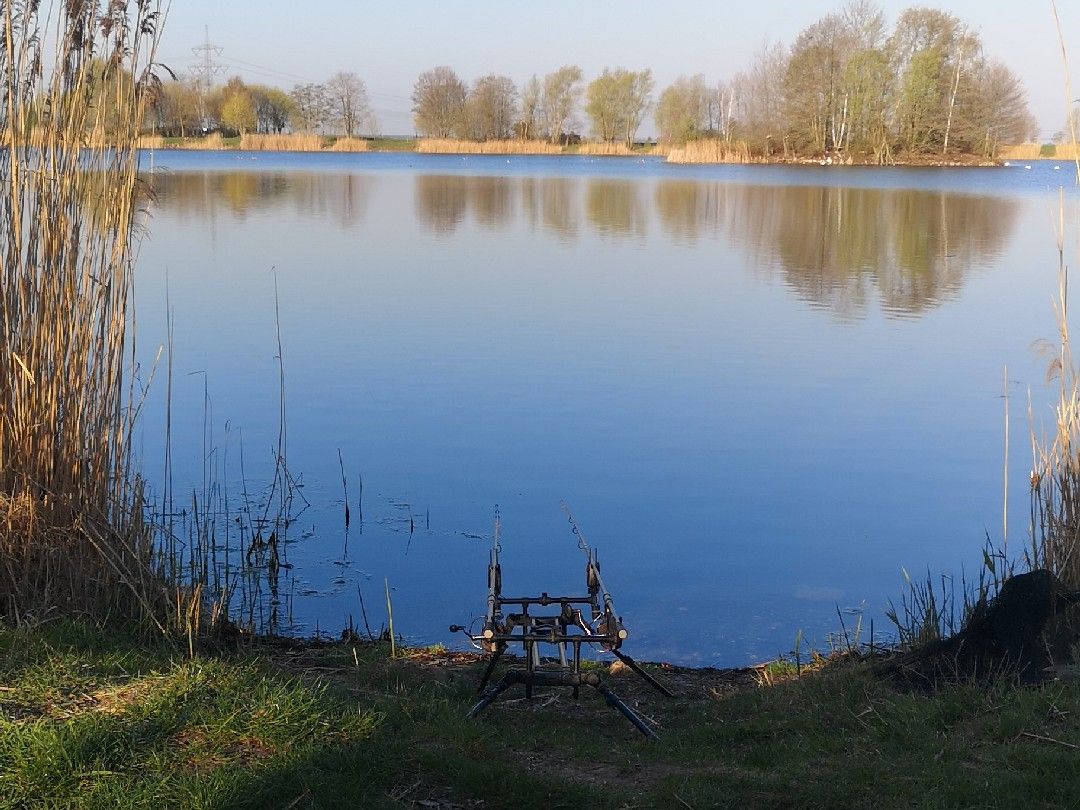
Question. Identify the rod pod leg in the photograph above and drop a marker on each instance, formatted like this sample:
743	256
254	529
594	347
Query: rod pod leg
495	656
645	676
490	695
617	703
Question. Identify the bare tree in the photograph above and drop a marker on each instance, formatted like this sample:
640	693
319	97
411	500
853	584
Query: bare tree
311	107
558	106
351	107
439	103
528	125
759	94
491	108
999	114
635	99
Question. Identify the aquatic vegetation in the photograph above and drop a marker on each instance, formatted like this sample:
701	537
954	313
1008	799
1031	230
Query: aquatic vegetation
72	532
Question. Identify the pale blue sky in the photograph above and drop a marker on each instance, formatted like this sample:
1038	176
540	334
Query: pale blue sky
284	42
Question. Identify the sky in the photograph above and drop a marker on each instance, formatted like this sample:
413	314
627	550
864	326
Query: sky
283	42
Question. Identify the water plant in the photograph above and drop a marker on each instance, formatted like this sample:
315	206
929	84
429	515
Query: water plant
76	79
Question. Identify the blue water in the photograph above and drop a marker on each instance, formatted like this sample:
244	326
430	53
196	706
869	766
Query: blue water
762	391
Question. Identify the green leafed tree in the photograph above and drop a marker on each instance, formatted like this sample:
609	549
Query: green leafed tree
617	101
682	110
238	113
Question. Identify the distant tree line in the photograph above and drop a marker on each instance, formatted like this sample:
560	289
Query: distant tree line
846	86
340	105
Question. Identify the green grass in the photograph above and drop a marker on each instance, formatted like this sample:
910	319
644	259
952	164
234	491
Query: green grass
94	718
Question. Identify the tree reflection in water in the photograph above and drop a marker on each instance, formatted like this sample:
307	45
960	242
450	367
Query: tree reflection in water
837	248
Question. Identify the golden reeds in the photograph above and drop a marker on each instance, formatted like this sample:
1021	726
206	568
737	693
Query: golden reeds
711	150
1055	473
1020	151
292	142
211	142
605	148
350	145
71	530
151	142
449	146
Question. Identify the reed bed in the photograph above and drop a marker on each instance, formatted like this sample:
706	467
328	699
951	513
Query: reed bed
711	151
450	146
292	142
350	145
212	142
1020	151
151	142
72	534
1055	476
1064	151
605	148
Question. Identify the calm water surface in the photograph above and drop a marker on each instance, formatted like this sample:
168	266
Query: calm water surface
763	391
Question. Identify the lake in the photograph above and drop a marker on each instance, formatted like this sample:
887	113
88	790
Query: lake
763	391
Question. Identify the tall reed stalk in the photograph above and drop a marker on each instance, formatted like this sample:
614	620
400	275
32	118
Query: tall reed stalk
1055	475
76	77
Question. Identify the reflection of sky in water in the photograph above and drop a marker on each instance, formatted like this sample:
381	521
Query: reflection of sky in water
760	401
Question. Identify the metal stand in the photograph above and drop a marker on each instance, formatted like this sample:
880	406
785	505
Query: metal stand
566	628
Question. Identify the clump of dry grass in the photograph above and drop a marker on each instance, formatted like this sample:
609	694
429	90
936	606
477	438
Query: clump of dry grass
711	150
292	142
350	145
151	142
76	82
450	146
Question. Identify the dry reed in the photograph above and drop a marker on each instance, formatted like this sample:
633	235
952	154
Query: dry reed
711	151
350	145
151	142
76	83
1020	151
1055	474
449	146
605	148
293	142
212	142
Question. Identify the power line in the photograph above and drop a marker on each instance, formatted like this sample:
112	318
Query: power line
207	66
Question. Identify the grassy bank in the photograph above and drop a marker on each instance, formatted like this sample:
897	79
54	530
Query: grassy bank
92	718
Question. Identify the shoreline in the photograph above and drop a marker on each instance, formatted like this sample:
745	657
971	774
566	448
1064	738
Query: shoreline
585	149
113	717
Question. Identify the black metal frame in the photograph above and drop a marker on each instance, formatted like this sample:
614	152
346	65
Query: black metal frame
567	627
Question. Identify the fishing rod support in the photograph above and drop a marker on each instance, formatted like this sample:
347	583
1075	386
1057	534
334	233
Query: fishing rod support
567	630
